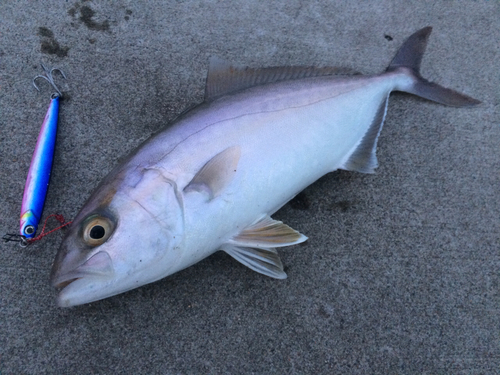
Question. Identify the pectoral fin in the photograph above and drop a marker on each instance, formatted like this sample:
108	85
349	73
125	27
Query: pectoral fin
216	174
262	260
268	233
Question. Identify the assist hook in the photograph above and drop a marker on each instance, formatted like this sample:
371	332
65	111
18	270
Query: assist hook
48	77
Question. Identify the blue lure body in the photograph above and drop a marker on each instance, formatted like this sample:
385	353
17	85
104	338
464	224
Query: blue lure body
37	181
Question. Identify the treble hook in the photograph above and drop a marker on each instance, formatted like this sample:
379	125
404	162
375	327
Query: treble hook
48	77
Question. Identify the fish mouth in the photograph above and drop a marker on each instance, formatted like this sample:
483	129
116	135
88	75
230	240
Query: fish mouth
86	283
98	265
63	284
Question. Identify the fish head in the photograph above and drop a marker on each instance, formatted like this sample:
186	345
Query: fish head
129	233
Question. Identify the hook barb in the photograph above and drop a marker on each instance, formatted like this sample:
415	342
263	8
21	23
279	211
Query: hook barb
49	78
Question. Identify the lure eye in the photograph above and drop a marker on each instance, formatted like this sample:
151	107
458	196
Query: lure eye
30	229
97	230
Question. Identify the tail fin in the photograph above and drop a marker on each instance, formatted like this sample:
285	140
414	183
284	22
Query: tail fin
409	57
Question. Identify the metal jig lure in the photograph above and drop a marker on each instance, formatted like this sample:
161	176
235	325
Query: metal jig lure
37	181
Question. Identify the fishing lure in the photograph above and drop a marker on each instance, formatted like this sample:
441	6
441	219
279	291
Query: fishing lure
37	181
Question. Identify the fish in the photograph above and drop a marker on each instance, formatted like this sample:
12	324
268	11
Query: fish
212	179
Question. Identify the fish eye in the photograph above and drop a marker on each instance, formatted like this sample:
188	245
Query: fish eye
97	232
97	229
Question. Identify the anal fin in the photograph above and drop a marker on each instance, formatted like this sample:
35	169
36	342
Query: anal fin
364	158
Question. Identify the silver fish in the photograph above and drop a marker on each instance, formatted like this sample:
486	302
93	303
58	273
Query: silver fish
212	179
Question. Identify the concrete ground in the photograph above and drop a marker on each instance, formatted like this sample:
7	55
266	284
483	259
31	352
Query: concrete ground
400	274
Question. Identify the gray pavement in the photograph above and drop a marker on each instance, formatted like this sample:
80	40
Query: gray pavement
400	274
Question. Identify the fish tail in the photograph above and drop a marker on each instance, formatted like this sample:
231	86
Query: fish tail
408	59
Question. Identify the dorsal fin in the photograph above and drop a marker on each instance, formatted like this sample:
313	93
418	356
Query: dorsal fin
224	78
